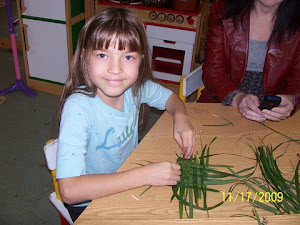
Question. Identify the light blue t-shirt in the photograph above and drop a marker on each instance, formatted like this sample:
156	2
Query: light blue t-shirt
95	138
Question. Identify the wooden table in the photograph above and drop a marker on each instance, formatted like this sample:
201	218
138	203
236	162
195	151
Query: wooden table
154	207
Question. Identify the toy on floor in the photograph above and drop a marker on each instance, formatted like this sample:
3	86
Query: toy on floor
2	99
19	85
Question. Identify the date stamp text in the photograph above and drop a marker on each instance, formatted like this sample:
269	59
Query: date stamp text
252	197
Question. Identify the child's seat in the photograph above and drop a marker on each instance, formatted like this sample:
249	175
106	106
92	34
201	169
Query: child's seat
191	83
50	150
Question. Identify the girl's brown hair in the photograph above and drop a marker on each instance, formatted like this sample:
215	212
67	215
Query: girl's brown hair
108	27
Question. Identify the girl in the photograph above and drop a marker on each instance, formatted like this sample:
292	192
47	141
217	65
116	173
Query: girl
109	79
253	50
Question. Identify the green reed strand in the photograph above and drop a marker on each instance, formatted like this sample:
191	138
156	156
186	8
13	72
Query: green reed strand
256	216
294	140
219	125
196	177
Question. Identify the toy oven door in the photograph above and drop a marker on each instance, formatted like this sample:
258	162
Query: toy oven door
171	55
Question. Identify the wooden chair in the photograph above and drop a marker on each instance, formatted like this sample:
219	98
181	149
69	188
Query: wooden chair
50	150
191	83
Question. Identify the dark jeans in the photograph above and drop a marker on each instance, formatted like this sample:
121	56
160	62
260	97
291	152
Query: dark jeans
74	211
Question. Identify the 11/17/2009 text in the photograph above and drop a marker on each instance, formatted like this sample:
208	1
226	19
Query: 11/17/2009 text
252	197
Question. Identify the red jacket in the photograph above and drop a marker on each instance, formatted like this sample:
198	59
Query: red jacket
227	54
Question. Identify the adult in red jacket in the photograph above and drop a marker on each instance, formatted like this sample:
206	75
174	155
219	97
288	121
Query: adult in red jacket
253	50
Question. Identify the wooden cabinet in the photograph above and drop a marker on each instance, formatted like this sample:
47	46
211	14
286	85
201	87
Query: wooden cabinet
47	53
50	31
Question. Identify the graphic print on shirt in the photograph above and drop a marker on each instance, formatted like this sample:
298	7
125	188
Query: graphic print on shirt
124	136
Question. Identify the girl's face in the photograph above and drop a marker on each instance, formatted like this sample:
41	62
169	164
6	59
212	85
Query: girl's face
113	71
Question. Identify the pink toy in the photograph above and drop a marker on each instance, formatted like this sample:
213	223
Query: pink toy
19	85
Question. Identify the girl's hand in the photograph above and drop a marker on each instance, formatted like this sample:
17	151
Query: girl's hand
184	134
282	111
162	173
247	105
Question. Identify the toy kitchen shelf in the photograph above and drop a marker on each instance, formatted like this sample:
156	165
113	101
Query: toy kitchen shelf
49	31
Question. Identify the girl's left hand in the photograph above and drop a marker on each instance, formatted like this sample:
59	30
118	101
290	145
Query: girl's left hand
282	111
184	134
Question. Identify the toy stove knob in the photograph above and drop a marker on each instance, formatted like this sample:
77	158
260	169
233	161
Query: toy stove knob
190	20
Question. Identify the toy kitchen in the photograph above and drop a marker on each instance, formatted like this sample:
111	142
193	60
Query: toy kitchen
176	31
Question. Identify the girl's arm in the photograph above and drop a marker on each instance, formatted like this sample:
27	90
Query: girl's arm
184	132
88	187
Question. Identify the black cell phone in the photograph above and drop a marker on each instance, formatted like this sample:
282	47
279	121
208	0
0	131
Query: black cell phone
269	102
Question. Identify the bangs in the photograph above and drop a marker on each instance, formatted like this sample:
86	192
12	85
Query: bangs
111	35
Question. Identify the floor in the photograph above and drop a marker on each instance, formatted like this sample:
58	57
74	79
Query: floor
26	124
25	182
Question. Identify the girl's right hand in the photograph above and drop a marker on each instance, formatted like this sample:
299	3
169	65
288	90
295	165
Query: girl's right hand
162	173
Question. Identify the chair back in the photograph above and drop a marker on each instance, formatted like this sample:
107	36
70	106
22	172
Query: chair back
190	83
50	151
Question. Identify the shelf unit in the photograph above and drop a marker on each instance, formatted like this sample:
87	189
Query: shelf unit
50	31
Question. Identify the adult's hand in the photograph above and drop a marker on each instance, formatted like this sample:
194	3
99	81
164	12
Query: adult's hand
282	111
247	105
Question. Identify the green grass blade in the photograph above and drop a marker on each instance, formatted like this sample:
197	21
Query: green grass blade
243	215
174	189
294	140
297	181
146	190
256	216
216	125
182	190
191	202
263	206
